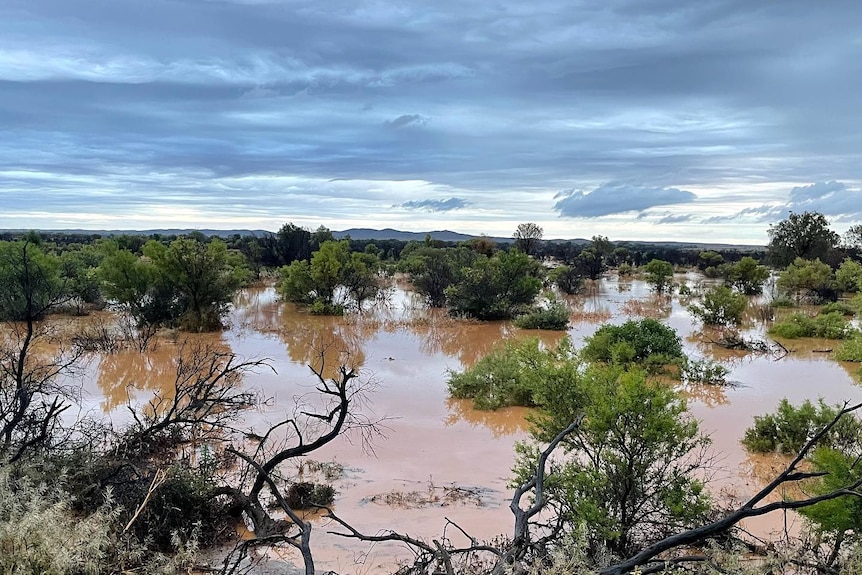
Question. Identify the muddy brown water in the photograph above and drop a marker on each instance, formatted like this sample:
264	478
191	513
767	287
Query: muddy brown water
432	442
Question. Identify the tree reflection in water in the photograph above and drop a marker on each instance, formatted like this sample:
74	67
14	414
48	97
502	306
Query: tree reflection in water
500	422
127	371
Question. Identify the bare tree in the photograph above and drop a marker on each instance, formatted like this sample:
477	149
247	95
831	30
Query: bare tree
338	410
32	398
202	405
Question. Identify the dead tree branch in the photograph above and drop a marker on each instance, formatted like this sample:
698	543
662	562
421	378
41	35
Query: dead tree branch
790	475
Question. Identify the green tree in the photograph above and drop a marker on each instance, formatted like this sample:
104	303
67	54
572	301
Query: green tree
204	276
362	277
188	283
496	288
31	400
709	259
527	237
806	235
30	281
333	276
328	265
567	278
293	243
432	270
848	276
630	478
590	263
659	275
853	238
808	279
721	306
79	269
747	275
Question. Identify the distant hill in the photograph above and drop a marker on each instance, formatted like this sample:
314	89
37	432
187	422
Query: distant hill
392	234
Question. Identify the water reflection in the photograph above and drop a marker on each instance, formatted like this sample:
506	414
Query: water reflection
500	423
123	373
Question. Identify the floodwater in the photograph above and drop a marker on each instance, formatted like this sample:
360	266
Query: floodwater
430	442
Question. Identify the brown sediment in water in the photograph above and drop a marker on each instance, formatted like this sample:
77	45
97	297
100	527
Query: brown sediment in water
432	439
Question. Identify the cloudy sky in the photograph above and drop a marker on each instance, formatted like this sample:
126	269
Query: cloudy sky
653	119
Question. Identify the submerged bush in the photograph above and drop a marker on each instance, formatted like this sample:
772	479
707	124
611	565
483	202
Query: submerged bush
646	342
787	430
509	375
841	307
721	306
305	495
849	350
705	371
831	325
555	317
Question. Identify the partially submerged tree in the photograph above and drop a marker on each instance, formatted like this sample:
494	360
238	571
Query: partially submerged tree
720	306
31	396
659	275
496	288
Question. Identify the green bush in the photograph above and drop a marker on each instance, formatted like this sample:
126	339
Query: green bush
647	342
720	306
832	325
567	278
841	307
782	301
509	374
320	307
553	317
849	350
704	371
787	430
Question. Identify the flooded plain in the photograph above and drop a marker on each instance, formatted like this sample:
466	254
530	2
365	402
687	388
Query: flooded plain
438	458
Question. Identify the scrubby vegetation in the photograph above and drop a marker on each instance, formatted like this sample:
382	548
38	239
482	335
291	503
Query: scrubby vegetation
790	427
555	316
80	497
721	306
831	325
646	342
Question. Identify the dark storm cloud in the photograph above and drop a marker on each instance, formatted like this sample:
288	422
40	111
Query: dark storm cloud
437	205
241	102
617	198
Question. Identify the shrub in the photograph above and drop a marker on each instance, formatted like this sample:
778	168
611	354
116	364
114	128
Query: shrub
787	430
841	307
305	495
832	325
555	317
849	350
625	269
40	534
567	278
659	275
509	374
496	288
647	342
782	301
720	306
704	371
320	307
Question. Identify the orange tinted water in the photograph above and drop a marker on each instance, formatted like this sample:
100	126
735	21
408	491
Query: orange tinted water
433	440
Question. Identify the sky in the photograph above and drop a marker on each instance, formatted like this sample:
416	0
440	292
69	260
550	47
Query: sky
637	120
